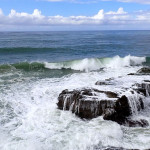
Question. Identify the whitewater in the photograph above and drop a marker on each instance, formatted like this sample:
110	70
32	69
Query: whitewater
31	80
30	119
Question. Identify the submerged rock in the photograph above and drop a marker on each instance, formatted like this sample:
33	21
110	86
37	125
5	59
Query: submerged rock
114	148
103	83
131	74
136	123
108	81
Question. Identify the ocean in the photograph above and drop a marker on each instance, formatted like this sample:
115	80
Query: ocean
35	67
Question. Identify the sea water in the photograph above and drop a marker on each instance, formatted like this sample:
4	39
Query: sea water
36	66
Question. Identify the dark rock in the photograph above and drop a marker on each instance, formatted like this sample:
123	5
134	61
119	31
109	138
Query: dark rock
111	94
109	79
143	88
131	74
114	148
147	81
144	70
136	123
100	147
141	104
121	111
103	83
88	104
141	91
85	104
132	92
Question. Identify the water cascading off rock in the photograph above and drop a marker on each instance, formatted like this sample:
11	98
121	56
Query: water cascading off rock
91	103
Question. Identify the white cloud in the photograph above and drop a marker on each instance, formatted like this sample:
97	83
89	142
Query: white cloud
36	14
119	12
143	16
100	15
1	12
119	17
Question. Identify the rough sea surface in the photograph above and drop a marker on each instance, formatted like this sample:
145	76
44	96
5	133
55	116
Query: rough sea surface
36	66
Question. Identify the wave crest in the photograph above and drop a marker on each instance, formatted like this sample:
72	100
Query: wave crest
91	64
87	64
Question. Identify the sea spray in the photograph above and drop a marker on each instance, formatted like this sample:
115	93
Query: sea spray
39	122
91	64
87	64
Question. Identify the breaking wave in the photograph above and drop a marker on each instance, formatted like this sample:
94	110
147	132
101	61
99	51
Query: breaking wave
91	64
87	64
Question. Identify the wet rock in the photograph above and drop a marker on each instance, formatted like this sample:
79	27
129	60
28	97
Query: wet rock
111	94
100	147
114	148
147	81
144	70
131	74
109	79
86	104
120	112
136	123
103	83
91	103
143	88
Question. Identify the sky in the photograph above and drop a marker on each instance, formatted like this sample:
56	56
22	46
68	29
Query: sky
56	15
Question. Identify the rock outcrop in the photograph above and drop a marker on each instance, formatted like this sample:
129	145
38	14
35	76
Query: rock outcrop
144	70
103	83
91	103
144	88
86	103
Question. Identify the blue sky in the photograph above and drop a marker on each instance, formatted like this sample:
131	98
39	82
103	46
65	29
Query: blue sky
67	8
56	14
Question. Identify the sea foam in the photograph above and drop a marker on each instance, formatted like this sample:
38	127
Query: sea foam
91	64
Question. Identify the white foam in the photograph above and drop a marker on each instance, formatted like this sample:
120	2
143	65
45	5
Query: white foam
34	122
90	64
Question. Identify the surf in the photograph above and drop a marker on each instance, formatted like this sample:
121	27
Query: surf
86	64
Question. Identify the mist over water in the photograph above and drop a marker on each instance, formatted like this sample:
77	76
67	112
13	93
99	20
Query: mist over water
36	66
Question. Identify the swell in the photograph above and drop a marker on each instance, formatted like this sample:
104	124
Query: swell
20	50
147	63
27	66
87	64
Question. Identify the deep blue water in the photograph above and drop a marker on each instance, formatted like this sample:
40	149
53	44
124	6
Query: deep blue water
61	46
